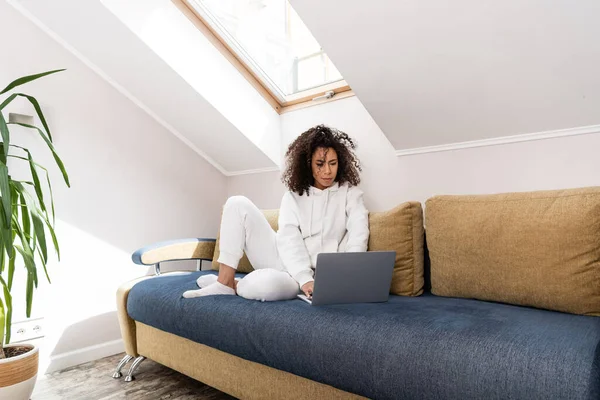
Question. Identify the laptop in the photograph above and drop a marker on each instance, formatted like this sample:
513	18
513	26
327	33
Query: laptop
343	278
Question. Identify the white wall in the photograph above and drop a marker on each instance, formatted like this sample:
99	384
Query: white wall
133	183
263	189
388	179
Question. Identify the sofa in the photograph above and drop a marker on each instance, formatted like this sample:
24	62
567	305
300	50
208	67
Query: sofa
498	299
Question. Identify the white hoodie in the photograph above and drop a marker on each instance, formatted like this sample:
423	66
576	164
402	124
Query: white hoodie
328	221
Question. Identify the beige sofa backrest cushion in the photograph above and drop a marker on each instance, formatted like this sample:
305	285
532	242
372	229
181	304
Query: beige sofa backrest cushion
539	249
399	229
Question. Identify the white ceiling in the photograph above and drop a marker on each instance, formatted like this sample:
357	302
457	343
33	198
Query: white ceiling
98	37
436	71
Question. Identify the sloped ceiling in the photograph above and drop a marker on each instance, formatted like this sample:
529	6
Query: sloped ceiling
437	72
98	37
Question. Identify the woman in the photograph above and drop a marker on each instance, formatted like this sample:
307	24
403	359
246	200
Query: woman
323	212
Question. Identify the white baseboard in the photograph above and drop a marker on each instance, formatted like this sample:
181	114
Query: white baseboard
69	359
584	130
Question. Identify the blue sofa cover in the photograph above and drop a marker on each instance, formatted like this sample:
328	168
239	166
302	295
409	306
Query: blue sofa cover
426	347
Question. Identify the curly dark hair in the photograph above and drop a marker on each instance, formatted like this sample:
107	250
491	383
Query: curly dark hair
298	176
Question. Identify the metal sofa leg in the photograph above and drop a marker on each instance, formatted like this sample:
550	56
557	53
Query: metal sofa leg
120	366
133	367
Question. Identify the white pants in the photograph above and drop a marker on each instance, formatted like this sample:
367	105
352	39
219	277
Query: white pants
245	228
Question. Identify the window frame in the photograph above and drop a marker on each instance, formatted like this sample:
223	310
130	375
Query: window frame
303	99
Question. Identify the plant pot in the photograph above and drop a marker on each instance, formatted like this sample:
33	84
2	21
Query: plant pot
18	374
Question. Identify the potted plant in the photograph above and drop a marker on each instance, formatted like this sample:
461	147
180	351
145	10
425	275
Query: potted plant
26	216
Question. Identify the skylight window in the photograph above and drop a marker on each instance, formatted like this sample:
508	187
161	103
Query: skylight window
272	42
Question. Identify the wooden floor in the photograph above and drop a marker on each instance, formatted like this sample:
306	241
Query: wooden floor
93	381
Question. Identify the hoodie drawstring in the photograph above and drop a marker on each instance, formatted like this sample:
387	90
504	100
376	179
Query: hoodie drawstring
323	217
312	207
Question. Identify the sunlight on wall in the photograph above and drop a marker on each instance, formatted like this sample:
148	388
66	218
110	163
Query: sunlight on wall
160	25
79	306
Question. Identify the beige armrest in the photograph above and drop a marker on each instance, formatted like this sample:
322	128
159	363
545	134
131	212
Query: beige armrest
127	324
183	249
174	250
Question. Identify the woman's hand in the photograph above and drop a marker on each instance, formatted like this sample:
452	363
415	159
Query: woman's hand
308	287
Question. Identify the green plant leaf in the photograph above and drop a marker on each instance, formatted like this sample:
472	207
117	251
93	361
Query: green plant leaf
39	232
32	168
6	195
29	262
36	181
14	196
40	195
25	79
44	265
5	138
39	112
36	106
34	245
2	321
2	260
49	143
9	308
32	279
25	217
8	100
11	270
6	235
25	245
29	295
51	198
26	252
53	235
38	218
26	206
